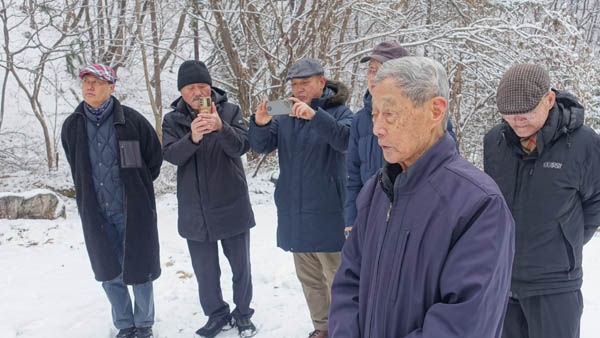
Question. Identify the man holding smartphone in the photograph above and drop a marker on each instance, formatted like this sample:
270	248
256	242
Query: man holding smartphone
206	144
311	143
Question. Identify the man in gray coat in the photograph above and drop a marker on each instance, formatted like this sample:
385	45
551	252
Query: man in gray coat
206	145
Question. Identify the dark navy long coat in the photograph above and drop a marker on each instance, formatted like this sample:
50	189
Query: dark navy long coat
140	160
310	191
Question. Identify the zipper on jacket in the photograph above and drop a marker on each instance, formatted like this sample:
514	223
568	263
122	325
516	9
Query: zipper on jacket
374	282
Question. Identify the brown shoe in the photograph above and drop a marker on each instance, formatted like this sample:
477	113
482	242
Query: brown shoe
318	334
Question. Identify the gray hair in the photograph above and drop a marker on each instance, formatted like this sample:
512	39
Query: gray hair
420	79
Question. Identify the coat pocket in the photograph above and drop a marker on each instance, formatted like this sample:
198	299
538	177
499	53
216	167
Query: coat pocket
131	156
570	249
398	262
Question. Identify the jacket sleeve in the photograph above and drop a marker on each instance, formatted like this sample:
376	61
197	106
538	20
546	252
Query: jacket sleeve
354	183
343	312
263	139
335	130
150	147
590	190
475	280
176	149
64	139
233	137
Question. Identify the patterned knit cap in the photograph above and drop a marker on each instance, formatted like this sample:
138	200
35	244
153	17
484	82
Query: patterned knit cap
102	72
522	88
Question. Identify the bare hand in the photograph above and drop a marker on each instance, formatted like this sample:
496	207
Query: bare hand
261	117
347	231
301	110
206	123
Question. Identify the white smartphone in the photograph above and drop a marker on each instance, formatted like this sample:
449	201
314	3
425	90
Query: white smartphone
282	107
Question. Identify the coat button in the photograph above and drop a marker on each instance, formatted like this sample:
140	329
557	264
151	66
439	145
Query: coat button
101	184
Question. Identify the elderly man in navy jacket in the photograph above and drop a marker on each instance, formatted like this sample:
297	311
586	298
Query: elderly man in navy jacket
431	251
364	154
115	155
311	145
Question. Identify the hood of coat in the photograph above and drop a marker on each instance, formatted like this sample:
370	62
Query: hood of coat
217	95
335	94
564	118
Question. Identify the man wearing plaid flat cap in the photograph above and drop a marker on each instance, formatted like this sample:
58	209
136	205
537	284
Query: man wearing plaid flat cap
115	155
546	163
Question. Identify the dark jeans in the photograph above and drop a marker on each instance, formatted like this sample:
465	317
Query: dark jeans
205	260
548	316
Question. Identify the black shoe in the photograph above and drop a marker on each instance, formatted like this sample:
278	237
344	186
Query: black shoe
126	333
144	332
214	326
245	327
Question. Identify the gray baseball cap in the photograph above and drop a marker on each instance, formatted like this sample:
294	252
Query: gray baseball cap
386	51
304	68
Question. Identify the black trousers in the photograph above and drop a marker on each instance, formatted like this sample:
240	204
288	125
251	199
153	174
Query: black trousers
548	316
205	260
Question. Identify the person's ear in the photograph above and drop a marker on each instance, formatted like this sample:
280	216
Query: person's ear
551	99
322	81
438	110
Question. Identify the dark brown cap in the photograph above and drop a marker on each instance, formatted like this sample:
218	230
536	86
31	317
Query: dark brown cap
522	88
386	51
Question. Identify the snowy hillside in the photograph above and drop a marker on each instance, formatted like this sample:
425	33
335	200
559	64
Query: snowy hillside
48	289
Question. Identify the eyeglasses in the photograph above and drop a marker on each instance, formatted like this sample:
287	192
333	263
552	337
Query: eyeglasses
94	82
372	70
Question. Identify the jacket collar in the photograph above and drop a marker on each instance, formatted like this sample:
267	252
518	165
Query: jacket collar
334	94
368	102
119	116
395	182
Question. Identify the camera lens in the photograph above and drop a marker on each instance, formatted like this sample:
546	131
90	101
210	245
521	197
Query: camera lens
269	108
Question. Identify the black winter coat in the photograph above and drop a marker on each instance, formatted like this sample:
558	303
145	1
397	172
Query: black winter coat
212	192
553	194
140	160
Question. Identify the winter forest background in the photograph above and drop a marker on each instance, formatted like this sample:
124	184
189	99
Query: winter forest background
249	46
47	287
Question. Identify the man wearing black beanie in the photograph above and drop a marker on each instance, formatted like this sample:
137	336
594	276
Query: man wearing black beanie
206	144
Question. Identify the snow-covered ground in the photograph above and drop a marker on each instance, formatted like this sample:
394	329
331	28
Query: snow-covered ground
47	288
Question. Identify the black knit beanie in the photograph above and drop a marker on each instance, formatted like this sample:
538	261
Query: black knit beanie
192	71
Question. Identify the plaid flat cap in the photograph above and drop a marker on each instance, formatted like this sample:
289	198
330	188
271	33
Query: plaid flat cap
102	72
304	68
522	88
